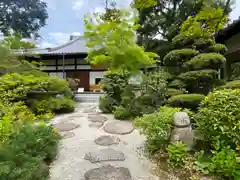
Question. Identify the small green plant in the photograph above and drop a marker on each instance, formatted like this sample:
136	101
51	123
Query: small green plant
121	113
107	104
223	163
157	127
177	154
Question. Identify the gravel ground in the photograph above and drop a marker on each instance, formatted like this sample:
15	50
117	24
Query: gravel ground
70	163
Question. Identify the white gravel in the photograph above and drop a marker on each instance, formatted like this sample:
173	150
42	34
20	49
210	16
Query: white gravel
70	163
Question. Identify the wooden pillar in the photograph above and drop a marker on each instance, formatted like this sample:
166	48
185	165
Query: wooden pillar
63	65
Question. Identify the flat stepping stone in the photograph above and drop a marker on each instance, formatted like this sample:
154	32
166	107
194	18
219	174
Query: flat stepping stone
95	125
107	140
62	127
74	117
119	127
100	119
68	135
89	110
108	173
108	154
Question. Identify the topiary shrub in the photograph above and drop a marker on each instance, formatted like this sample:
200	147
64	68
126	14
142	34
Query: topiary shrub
55	105
218	118
190	101
107	104
157	127
200	82
231	85
177	57
218	48
121	113
206	61
173	92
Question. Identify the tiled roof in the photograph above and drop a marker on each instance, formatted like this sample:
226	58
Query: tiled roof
72	47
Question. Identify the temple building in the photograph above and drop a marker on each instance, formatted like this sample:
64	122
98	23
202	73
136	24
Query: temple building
67	61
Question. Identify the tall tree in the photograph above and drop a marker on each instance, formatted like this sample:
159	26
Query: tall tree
23	16
164	20
114	45
196	57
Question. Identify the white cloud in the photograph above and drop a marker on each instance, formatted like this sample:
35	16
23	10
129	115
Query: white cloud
77	5
46	44
99	9
58	38
235	13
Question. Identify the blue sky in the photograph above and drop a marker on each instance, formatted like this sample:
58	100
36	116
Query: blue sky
66	18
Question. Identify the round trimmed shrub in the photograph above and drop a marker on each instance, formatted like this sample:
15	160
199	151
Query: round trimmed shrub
218	48
173	92
179	56
190	101
206	60
121	113
231	85
218	118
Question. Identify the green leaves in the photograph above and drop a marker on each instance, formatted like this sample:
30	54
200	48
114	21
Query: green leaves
177	154
218	118
113	43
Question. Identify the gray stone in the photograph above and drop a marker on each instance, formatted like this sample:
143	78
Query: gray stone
108	173
107	140
89	110
182	130
108	154
119	127
100	119
95	125
67	135
62	127
181	119
185	135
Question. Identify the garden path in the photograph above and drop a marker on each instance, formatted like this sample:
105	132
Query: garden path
98	147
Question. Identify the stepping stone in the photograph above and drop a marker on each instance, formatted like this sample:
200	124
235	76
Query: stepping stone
95	125
107	140
100	119
74	117
62	127
93	115
108	173
89	110
67	135
108	154
119	127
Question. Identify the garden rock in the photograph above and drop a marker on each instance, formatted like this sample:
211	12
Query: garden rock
108	154
182	130
181	119
62	127
107	140
100	119
95	125
108	173
119	127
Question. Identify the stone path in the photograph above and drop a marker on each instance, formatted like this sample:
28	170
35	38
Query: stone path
98	147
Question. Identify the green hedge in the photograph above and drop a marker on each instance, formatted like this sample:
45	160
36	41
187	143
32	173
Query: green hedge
191	101
173	92
177	57
231	85
206	60
218	48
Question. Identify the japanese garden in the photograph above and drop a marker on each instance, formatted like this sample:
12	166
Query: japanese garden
148	92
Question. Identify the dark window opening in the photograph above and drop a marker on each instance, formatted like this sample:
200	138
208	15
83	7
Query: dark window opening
98	80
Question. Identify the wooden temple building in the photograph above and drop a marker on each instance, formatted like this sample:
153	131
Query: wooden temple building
67	61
